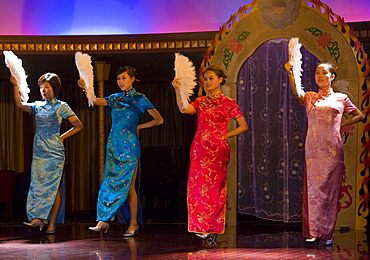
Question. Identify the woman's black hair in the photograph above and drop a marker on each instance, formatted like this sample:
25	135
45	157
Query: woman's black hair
54	81
331	67
130	71
218	71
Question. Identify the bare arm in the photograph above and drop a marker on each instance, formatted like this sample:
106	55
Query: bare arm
189	109
26	107
297	91
98	101
356	117
77	126
242	127
101	102
157	120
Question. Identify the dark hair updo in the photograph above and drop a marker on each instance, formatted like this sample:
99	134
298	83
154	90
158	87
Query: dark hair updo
331	67
54	81
218	71
130	71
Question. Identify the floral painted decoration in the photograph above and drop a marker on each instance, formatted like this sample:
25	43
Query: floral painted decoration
325	41
235	46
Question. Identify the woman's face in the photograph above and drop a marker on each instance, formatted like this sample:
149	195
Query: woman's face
323	76
124	81
46	91
211	81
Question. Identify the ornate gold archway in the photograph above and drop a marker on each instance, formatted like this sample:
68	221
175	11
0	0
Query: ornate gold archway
326	36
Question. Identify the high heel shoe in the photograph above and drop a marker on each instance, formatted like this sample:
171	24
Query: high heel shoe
329	242
35	223
209	237
51	229
208	240
202	236
100	227
313	240
131	231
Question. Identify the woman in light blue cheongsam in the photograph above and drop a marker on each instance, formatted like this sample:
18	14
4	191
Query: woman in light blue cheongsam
117	191
44	198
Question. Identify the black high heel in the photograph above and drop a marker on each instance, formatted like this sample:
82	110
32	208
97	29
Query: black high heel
313	240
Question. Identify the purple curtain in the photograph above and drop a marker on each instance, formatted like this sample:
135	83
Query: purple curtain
271	152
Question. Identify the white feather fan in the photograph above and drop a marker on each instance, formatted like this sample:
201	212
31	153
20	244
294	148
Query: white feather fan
15	66
86	71
295	57
185	71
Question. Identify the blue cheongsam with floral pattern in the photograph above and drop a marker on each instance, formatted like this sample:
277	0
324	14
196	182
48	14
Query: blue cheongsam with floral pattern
122	153
48	157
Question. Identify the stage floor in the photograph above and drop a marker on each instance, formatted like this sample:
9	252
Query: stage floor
172	241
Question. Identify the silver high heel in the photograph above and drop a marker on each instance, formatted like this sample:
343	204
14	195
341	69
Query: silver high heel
313	240
211	238
131	231
202	236
329	242
36	223
100	227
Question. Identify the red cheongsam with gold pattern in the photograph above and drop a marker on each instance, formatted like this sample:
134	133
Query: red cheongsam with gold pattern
209	157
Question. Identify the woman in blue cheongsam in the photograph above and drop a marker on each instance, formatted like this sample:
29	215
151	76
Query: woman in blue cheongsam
44	198
117	191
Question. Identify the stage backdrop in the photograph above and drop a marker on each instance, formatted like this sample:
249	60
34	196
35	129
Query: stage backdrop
267	161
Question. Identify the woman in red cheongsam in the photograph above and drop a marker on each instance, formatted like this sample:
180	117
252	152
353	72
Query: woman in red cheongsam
210	154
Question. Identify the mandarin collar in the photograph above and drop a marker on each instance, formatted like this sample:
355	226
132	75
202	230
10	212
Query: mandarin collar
51	101
326	93
131	91
216	95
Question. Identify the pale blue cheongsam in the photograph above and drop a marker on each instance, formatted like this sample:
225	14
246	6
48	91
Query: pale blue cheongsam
48	156
122	153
